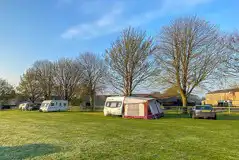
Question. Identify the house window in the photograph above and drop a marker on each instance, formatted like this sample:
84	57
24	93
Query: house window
52	104
64	104
59	104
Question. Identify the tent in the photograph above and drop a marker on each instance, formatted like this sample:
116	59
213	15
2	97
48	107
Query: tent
142	108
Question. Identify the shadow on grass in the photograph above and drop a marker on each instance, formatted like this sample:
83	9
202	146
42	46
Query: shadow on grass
26	151
219	116
227	116
175	115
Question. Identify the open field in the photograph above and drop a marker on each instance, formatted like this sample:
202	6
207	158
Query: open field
82	135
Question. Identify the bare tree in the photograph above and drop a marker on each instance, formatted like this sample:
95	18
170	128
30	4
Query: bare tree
129	61
93	70
68	76
29	86
45	76
231	41
189	54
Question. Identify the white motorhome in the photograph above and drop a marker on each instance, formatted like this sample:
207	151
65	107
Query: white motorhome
114	106
53	105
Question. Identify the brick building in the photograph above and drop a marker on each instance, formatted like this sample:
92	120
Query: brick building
227	97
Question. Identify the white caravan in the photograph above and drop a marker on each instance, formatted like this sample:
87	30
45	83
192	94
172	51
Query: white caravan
131	107
114	106
53	105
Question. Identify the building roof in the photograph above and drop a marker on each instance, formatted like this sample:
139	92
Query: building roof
225	91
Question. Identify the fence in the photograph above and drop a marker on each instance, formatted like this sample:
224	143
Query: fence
86	109
228	110
179	109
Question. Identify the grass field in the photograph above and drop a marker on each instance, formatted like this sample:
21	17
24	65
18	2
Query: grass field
81	135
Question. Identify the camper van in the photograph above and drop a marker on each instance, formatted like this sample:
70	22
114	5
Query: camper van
133	107
53	105
114	106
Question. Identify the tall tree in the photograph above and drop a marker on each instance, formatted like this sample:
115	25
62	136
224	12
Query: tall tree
6	91
231	41
29	86
45	76
93	70
68	76
189	54
129	61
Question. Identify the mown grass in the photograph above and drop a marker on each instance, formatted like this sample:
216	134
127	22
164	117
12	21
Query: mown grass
82	135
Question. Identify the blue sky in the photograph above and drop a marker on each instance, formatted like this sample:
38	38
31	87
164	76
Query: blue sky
50	29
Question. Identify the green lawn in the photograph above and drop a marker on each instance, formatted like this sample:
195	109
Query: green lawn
79	135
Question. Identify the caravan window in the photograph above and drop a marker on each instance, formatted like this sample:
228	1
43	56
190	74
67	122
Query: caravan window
119	104
43	105
113	104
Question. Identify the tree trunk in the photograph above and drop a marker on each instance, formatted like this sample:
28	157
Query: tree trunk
66	92
46	97
66	95
92	101
184	101
49	92
128	85
32	99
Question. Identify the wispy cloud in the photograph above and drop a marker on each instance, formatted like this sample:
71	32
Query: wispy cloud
116	19
104	25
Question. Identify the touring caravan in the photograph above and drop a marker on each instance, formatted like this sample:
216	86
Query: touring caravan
53	105
133	107
114	106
